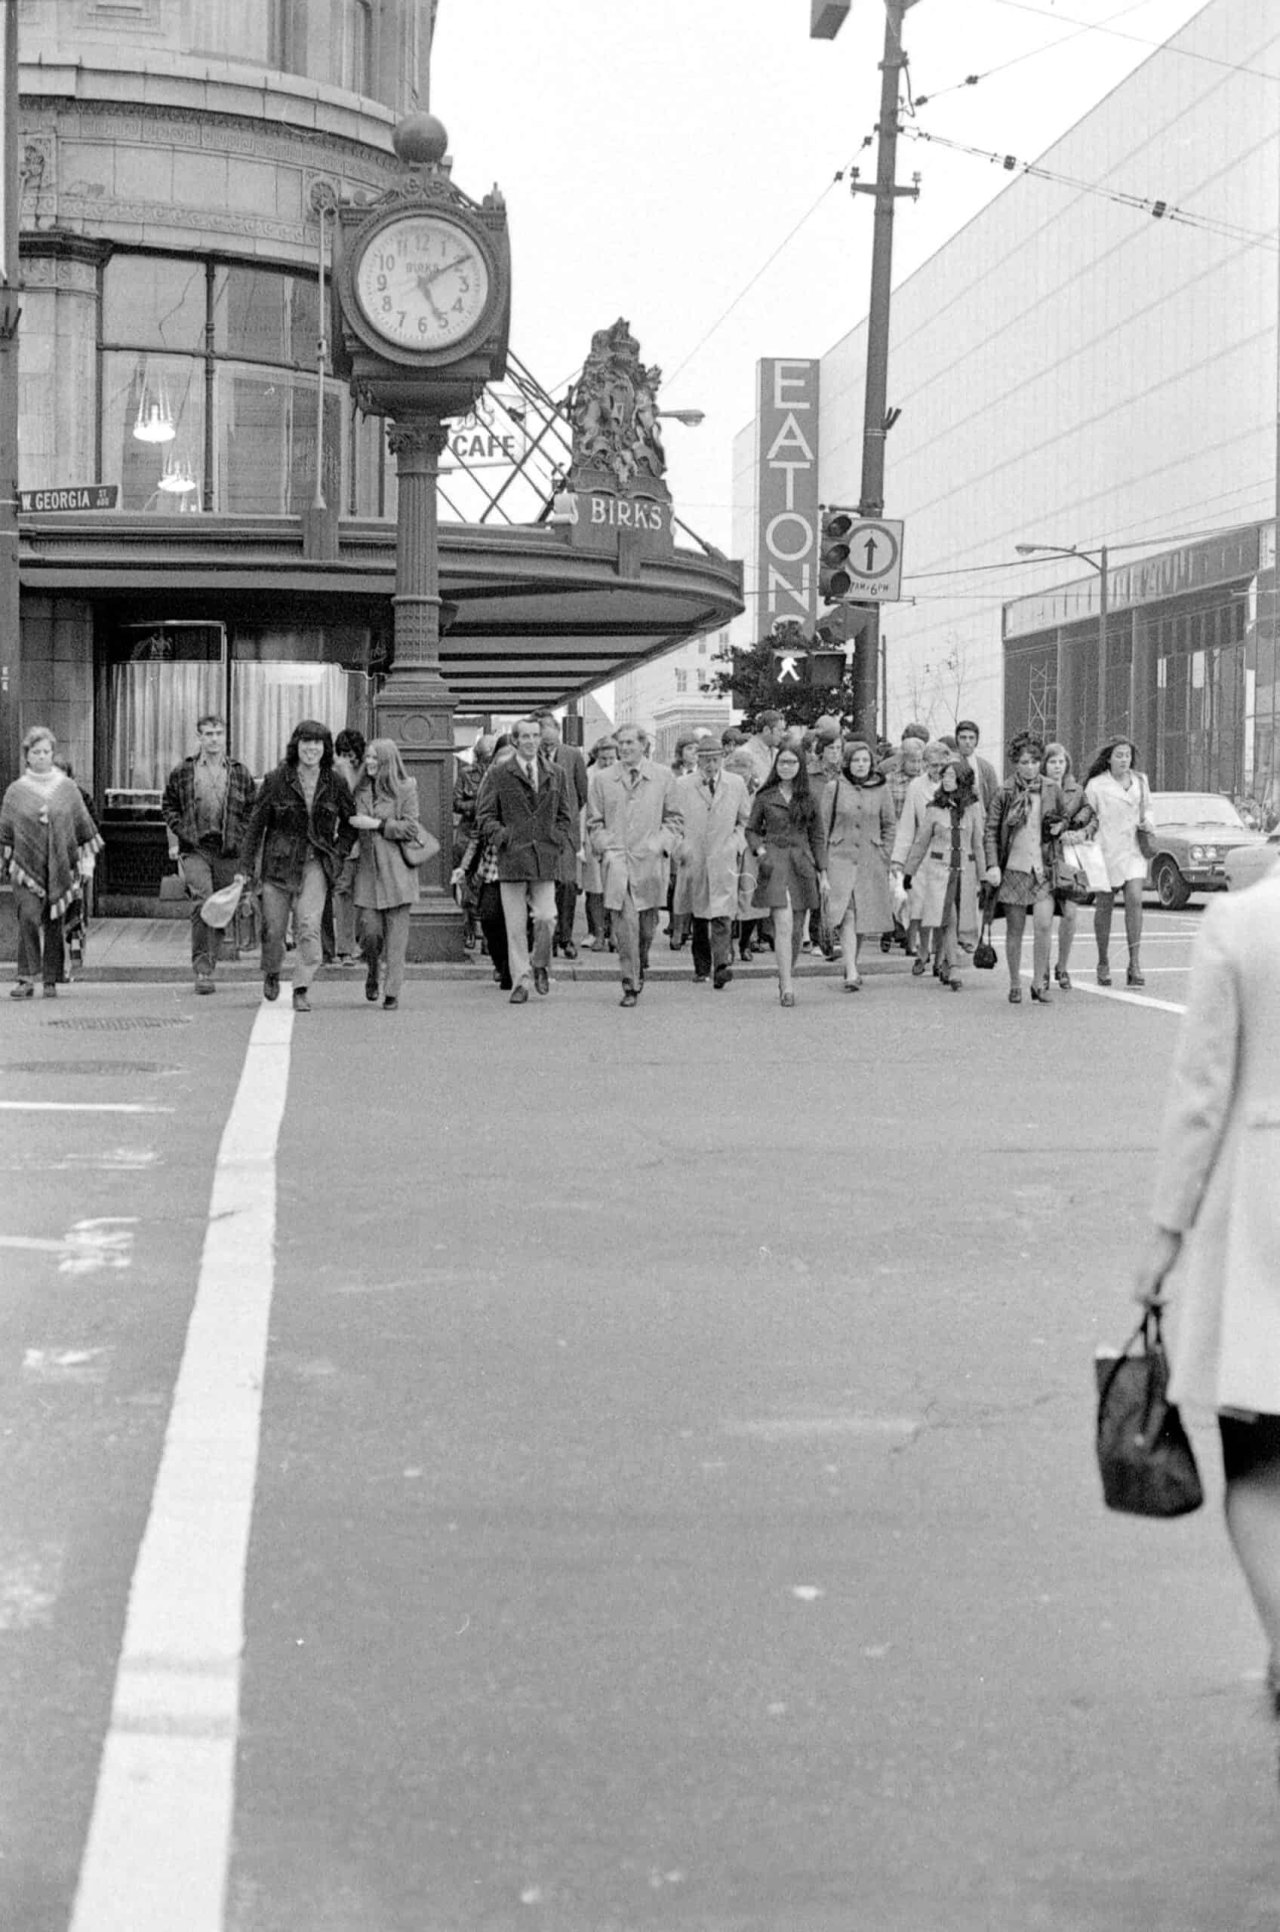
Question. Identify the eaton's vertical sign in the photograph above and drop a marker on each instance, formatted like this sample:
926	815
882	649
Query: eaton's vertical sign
787	490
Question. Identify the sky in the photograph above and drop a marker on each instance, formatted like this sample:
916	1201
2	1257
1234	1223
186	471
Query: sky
674	162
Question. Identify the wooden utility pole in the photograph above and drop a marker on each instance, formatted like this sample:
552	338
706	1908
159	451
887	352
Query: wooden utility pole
10	630
875	406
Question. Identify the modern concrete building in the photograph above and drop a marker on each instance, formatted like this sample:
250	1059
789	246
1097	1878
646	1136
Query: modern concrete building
1091	361
179	165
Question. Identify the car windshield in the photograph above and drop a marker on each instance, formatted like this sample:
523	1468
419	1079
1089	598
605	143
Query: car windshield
1195	808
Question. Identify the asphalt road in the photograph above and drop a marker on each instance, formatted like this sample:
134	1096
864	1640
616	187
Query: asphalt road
674	1497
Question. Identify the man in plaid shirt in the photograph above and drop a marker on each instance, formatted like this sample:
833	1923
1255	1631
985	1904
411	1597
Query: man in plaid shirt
207	806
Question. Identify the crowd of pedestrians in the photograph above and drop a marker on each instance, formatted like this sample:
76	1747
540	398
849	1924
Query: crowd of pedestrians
769	838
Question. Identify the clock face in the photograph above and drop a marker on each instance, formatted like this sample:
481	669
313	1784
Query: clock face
422	282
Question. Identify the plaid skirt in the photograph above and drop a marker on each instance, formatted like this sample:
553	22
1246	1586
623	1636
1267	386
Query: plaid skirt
1023	889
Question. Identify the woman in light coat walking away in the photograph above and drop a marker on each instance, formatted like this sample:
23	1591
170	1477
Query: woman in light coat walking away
386	885
714	807
860	823
944	866
1119	794
1216	1224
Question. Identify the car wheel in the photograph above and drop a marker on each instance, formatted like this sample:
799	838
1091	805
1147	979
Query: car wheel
1172	889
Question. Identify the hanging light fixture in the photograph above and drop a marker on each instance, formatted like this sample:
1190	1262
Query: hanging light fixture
177	477
154	420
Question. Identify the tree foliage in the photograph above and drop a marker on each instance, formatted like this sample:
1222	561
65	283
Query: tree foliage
752	684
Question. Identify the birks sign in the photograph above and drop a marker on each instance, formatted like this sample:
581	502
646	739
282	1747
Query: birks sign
787	491
597	521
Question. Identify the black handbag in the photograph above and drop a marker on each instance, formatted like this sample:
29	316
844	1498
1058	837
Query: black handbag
1147	1465
984	953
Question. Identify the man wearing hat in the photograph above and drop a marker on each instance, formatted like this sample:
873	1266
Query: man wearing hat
714	806
207	804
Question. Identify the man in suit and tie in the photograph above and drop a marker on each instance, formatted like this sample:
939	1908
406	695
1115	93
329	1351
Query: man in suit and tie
633	822
523	813
574	766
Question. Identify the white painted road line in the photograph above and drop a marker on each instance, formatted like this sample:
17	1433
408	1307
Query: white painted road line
160	1836
80	1107
1127	999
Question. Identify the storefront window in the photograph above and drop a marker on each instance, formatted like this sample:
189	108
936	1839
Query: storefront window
252	334
265	440
160	679
153	431
264	315
154	302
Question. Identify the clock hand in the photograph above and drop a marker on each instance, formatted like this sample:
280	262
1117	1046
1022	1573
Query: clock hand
424	289
433	274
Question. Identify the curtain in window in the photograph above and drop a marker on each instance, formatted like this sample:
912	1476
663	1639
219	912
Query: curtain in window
154	707
269	700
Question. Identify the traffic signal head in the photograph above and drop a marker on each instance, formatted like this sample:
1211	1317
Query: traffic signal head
834	578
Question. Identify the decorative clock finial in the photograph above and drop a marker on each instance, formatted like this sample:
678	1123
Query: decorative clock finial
421	140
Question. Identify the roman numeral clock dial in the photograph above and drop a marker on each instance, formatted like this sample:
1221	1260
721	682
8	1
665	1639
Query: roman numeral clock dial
422	283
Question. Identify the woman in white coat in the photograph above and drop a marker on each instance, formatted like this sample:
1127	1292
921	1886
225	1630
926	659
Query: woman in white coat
1119	794
919	792
1216	1216
858	813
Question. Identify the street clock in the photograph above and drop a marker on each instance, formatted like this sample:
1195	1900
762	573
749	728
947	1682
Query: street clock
422	288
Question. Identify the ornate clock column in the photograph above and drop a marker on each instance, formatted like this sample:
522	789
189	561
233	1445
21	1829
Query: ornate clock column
415	706
422	297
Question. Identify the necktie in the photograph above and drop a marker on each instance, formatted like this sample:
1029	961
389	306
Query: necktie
711	786
531	773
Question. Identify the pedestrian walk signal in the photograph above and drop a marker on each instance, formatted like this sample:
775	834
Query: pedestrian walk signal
814	670
835	580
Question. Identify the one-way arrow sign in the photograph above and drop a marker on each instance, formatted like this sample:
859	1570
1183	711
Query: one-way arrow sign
875	561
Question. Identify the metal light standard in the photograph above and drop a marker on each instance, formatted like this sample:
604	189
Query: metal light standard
1066	665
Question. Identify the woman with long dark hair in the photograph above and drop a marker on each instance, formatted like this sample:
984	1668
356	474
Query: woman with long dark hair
1119	794
1068	820
477	870
785	832
945	862
297	837
1016	864
386	885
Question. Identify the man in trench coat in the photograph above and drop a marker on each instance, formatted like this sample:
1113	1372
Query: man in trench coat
714	807
633	822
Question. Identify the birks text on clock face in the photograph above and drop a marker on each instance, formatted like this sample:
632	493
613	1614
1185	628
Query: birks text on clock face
422	282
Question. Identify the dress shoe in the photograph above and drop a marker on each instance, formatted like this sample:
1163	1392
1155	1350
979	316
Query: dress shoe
721	978
1063	978
301	1004
701	979
24	990
786	999
541	981
271	986
50	992
629	997
569	950
519	994
371	979
917	969
853	986
390	1003
204	981
1040	994
1015	996
1104	973
1134	978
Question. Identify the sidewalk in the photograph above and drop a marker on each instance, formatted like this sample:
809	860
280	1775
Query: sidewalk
160	949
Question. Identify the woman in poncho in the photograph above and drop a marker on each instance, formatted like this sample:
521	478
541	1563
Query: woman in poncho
48	844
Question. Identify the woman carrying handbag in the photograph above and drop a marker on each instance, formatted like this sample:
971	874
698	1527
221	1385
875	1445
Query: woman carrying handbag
1119	794
386	884
1068	821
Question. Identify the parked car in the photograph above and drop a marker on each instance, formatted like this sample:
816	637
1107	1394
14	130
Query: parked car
1195	832
1246	864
